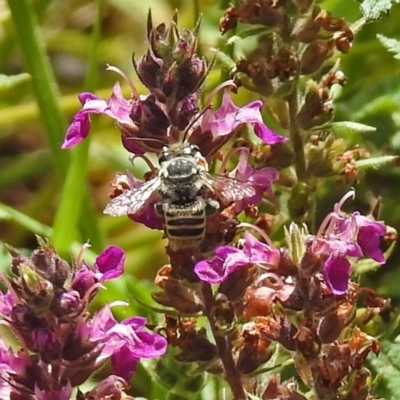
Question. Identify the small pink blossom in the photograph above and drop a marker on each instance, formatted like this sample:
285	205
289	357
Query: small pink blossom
260	179
228	258
125	342
115	107
229	118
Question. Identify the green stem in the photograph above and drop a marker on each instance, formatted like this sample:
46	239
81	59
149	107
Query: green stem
196	11
296	137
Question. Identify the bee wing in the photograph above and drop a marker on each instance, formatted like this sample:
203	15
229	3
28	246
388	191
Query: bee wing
132	200
228	189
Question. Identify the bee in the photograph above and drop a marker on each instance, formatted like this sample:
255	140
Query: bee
183	194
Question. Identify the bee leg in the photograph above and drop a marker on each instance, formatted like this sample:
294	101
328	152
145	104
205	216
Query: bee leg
160	208
212	206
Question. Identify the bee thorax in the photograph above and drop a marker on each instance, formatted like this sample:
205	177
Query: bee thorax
181	169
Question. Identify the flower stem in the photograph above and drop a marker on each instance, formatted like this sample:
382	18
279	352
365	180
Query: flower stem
224	347
295	136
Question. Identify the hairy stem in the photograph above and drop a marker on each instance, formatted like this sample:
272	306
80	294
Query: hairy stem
224	348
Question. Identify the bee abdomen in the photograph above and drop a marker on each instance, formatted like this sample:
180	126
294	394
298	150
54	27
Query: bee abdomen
185	228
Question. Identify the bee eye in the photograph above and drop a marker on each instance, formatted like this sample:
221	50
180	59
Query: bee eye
194	150
163	157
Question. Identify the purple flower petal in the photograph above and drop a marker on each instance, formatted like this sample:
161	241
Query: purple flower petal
148	217
217	269
125	342
7	303
267	135
230	117
222	121
227	259
149	345
86	96
211	271
337	274
258	252
110	263
80	126
331	245
62	393
118	107
369	235
115	107
261	180
135	322
77	131
124	363
84	279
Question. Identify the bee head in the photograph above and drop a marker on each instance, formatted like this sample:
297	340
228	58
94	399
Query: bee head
179	162
173	152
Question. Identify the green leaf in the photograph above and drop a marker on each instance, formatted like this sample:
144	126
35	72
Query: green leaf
387	366
7	82
5	258
72	204
373	9
393	45
225	61
375	162
29	223
9	213
345	128
247	33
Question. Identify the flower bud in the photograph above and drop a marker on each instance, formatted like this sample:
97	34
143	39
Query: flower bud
176	294
261	12
171	70
68	304
237	282
45	343
317	107
315	55
254	350
50	265
229	20
38	293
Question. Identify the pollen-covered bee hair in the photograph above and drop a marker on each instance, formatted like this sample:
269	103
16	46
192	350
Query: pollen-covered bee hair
183	193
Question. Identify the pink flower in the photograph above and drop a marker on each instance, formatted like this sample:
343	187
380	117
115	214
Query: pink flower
115	107
229	258
341	236
229	118
260	179
108	265
126	342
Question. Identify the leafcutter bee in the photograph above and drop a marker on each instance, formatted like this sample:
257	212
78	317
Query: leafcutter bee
183	193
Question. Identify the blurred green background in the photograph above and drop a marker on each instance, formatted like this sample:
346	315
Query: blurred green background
52	192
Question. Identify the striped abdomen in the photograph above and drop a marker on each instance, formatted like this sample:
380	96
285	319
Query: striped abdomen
185	222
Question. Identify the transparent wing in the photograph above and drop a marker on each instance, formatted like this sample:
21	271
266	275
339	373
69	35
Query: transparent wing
228	189
132	200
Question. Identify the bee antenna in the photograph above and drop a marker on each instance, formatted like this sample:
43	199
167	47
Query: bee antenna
137	139
193	122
